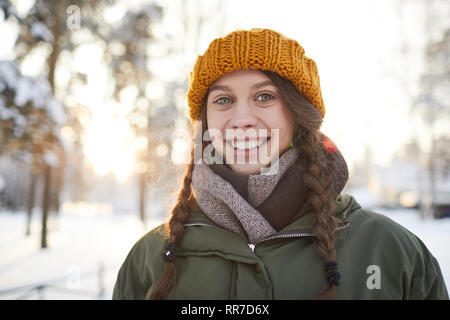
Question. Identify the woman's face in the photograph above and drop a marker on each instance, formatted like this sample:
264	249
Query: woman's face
248	122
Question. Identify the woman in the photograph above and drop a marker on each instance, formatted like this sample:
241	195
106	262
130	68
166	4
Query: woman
260	214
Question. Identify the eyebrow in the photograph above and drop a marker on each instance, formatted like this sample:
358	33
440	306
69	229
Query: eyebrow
255	86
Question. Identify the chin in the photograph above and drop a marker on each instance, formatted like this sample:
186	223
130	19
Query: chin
246	168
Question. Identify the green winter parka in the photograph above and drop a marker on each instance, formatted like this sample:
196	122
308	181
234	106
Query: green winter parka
377	257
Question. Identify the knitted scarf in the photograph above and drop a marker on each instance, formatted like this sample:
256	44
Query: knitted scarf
256	206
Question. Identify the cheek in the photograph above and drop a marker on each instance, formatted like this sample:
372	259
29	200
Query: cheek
289	129
214	119
215	127
283	121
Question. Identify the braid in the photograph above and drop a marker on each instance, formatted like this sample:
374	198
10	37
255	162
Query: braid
318	181
175	232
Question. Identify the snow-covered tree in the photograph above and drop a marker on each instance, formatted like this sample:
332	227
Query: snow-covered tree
47	26
30	116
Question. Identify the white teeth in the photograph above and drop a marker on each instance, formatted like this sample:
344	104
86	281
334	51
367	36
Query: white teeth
247	145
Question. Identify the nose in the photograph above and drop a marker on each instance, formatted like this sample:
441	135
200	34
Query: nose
243	117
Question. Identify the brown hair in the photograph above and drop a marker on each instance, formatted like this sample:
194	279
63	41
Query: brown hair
317	179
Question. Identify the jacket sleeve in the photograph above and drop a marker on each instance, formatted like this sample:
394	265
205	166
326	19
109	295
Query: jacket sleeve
132	282
427	281
141	266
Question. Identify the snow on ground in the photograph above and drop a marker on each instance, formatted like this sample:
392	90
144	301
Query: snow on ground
80	244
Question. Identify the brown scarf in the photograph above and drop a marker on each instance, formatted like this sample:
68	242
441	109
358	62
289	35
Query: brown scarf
257	206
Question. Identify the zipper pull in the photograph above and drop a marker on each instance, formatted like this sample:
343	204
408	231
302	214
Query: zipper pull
252	247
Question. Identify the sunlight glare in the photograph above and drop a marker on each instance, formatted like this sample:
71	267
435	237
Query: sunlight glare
180	146
141	143
109	146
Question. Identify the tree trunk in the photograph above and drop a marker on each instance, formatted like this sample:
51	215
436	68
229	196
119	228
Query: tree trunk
30	202
54	55
56	188
52	61
45	205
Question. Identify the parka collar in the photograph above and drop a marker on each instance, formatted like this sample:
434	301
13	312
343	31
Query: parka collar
345	205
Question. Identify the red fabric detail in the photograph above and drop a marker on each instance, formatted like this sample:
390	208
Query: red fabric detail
329	145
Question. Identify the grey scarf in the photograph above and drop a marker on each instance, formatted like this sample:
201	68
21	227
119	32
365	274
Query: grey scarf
227	208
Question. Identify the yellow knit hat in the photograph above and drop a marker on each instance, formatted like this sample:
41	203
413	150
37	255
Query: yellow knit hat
258	48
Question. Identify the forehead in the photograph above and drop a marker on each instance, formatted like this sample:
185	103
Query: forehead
247	74
240	79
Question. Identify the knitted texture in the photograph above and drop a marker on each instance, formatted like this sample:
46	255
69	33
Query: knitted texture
262	49
261	186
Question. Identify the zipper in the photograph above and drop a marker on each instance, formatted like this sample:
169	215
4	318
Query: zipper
293	235
275	236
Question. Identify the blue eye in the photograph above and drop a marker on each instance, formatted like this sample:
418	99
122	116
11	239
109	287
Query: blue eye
268	97
221	98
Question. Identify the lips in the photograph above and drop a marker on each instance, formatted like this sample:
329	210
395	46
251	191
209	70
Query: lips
248	144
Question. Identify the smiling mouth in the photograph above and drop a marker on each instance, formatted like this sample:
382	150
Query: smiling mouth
246	145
